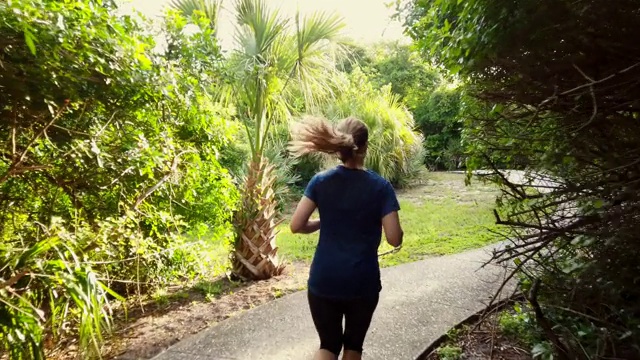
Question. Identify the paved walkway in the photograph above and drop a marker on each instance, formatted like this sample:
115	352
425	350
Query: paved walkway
419	302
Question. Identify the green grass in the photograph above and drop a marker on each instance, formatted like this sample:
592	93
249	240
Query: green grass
441	217
208	288
449	352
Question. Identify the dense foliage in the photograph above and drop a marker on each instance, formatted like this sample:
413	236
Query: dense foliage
438	113
557	84
434	98
394	149
123	159
109	158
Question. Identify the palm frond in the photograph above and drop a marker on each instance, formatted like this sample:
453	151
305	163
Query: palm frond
258	27
315	29
317	43
210	8
393	145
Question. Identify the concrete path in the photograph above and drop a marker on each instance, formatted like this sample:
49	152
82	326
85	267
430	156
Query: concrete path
419	302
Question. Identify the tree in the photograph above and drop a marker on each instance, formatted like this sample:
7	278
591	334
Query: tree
210	9
557	95
110	155
354	56
399	66
275	59
274	55
438	115
433	97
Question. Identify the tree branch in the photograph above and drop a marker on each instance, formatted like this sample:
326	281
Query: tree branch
13	168
149	191
14	279
563	351
591	83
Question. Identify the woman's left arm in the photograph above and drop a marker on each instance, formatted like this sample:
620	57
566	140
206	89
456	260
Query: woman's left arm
300	222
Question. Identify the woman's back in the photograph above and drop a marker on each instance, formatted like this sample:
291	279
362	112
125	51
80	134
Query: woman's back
355	205
351	203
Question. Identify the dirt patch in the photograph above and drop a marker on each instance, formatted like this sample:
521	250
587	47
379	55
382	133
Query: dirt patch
153	326
481	341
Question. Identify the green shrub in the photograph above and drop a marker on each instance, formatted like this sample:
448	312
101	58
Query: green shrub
576	243
49	290
437	114
449	352
113	158
519	324
394	148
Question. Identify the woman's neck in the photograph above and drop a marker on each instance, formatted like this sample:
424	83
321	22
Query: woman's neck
354	164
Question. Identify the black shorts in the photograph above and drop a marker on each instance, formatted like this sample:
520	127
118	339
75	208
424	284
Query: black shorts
327	316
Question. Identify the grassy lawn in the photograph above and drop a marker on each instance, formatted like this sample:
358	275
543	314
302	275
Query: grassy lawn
440	216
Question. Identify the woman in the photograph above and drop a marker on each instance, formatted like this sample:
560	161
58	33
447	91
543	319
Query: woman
354	205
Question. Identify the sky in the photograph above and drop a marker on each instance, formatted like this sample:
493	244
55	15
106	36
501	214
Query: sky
366	21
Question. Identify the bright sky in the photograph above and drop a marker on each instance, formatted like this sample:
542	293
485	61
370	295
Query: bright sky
366	20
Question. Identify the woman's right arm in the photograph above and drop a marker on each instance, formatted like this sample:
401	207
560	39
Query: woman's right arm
300	223
392	229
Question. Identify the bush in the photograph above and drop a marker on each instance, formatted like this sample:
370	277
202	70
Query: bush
49	291
556	97
438	117
449	352
112	157
520	325
432	96
394	148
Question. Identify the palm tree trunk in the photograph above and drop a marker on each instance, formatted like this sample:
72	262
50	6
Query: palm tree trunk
255	255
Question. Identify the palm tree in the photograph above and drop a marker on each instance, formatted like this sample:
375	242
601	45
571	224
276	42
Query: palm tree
275	60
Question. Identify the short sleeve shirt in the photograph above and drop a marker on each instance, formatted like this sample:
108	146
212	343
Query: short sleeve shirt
351	204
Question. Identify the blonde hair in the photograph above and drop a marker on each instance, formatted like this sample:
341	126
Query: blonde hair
347	140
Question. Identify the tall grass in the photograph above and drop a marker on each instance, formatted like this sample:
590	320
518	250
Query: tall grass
50	291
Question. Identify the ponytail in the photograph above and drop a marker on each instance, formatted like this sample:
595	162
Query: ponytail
346	140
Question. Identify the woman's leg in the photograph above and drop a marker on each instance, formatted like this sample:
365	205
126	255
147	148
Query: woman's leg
327	318
351	355
323	354
358	317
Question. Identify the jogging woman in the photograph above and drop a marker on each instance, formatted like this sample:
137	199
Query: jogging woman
354	206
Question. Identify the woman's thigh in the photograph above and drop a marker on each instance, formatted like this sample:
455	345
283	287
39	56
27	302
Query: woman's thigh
327	317
358	315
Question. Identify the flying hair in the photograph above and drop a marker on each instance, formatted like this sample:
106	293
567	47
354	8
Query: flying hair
348	139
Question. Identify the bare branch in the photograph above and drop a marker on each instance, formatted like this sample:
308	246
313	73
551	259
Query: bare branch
105	125
149	191
13	137
126	171
13	168
593	98
591	83
14	279
532	297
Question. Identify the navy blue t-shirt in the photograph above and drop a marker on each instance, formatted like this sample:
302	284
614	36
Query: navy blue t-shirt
351	204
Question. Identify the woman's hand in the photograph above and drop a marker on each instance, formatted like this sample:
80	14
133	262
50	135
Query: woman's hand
311	227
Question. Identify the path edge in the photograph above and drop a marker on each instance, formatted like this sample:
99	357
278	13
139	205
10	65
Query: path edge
470	319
